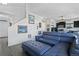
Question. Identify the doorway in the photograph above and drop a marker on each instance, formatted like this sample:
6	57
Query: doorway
3	28
4	50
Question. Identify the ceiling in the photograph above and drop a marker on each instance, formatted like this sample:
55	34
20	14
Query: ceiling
55	10
50	10
15	9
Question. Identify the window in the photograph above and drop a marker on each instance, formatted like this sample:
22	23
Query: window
76	23
39	25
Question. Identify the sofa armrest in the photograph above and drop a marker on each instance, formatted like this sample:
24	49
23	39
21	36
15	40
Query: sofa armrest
38	37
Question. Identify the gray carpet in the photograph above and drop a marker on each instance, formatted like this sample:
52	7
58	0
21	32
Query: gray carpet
10	51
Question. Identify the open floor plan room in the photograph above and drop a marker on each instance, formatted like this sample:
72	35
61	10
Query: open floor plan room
39	29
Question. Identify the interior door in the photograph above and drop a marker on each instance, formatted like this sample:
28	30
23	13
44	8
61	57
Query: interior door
3	28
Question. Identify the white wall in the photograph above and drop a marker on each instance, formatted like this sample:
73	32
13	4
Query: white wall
4	29
15	38
51	23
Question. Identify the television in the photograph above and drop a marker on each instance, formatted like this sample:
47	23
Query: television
76	23
53	29
61	25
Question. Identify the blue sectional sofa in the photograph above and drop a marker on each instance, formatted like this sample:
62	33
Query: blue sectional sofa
49	44
74	51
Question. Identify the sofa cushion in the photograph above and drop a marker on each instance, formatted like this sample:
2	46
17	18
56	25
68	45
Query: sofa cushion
48	41
65	34
65	37
35	47
51	40
51	33
60	49
51	37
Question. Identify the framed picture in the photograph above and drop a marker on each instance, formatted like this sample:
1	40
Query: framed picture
39	25
31	19
39	32
22	29
29	35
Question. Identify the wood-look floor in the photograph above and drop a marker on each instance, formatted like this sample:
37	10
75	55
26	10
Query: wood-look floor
10	51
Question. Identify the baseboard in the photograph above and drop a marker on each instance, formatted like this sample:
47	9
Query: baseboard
10	44
4	37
